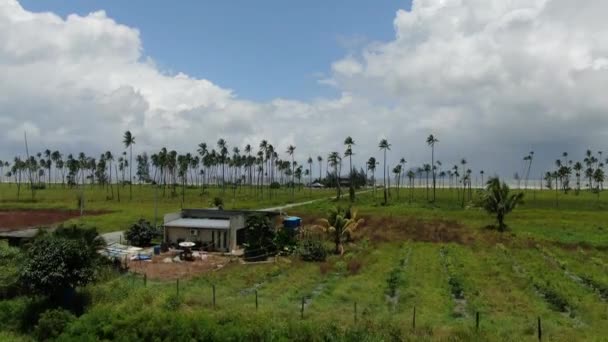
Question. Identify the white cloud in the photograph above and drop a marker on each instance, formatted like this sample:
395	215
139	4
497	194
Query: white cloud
490	78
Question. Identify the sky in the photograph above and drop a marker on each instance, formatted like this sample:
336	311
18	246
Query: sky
491	79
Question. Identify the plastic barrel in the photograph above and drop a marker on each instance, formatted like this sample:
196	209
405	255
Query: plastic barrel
156	250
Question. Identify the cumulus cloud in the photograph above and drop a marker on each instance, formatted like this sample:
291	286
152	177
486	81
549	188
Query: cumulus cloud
491	78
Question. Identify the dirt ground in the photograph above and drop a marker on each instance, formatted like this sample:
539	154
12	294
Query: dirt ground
160	270
387	229
11	220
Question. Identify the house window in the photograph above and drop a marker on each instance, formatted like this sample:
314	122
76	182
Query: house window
194	232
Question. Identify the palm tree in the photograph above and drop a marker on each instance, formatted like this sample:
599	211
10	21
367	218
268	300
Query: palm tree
431	140
334	160
402	162
427	170
320	161
598	177
290	151
129	141
349	142
310	174
371	165
223	147
481	173
498	201
578	167
384	146
411	175
397	171
340	224
463	162
529	159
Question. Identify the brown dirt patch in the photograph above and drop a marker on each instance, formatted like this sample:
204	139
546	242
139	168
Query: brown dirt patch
160	270
386	229
11	220
390	229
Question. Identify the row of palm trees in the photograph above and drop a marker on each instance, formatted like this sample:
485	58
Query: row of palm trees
263	170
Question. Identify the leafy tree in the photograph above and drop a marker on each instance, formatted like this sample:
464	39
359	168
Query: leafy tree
498	201
340	224
260	235
55	264
141	233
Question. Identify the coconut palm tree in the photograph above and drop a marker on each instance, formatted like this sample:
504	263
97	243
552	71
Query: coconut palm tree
384	146
371	165
349	142
578	167
310	174
402	162
222	146
463	162
598	177
129	140
290	150
481	173
529	159
335	160
340	224
431	140
497	200
320	161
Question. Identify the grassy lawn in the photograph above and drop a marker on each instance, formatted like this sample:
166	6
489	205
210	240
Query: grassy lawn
552	264
124	212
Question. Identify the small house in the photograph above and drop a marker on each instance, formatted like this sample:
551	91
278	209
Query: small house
212	229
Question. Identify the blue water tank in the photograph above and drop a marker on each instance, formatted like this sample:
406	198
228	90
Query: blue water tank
292	222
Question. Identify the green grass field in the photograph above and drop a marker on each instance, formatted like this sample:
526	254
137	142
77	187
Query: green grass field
127	211
552	264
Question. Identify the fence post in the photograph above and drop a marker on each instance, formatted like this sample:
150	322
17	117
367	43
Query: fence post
414	319
256	300
213	289
477	321
355	312
302	309
540	330
145	279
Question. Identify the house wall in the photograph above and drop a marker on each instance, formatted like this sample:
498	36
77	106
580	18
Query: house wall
172	234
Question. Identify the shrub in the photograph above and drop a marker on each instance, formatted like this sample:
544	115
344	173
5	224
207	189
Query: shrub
260	238
141	233
218	202
52	323
392	282
285	241
55	265
275	185
311	249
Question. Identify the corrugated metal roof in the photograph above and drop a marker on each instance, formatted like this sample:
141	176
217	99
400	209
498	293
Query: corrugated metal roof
199	223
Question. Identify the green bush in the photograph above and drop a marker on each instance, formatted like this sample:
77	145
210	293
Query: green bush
260	237
52	323
55	265
141	233
311	249
393	281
